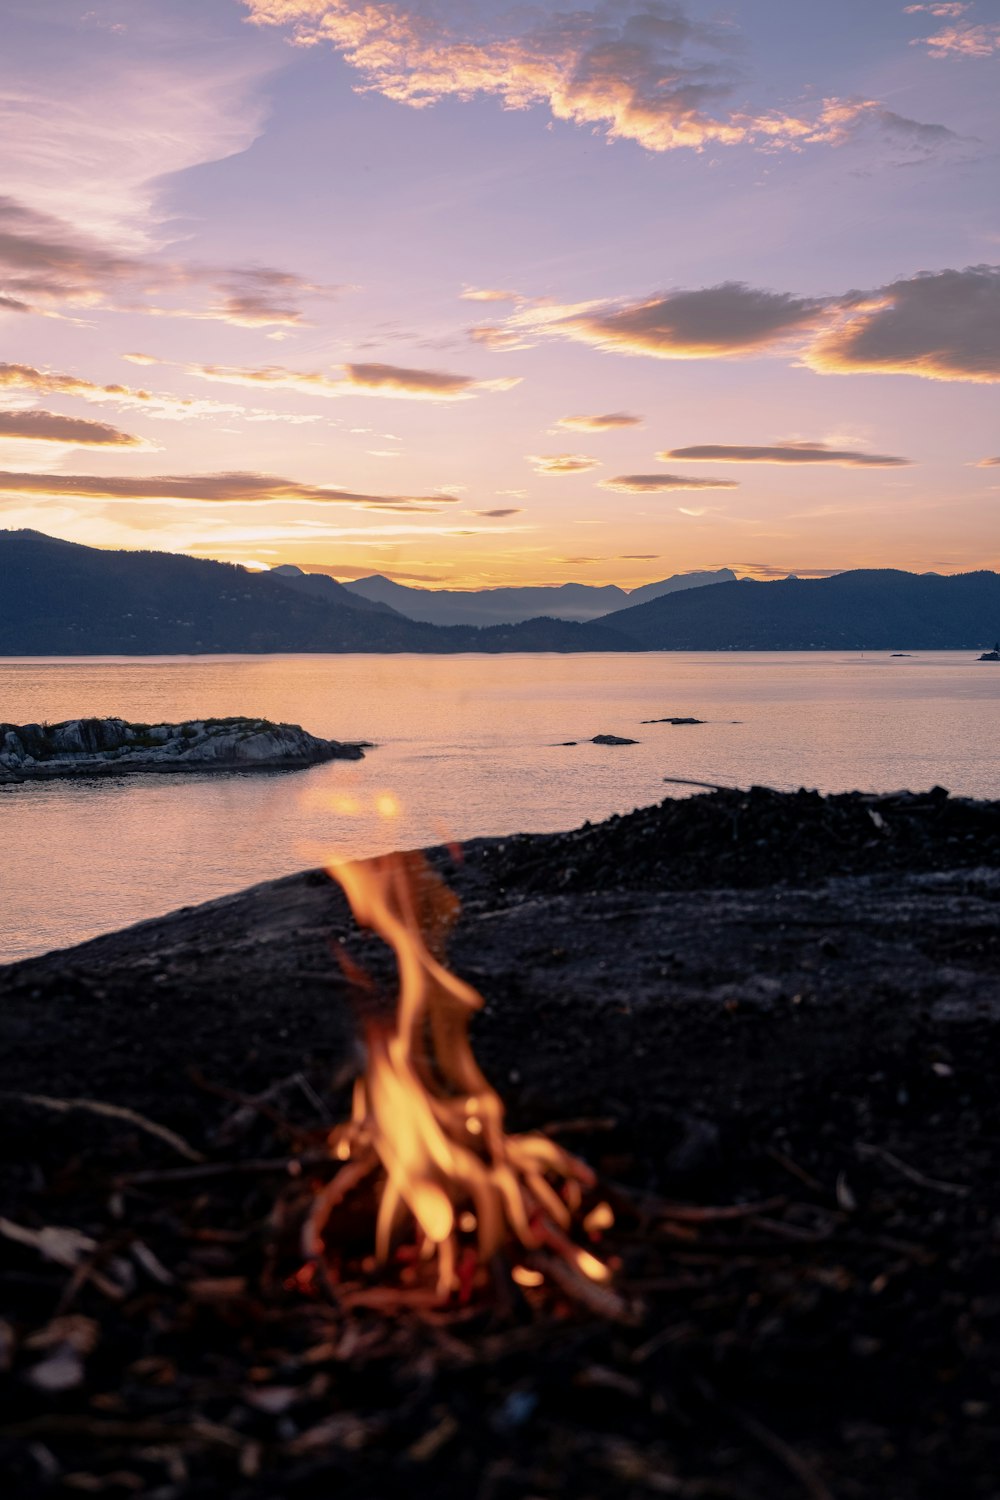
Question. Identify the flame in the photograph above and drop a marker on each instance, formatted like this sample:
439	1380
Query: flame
426	1118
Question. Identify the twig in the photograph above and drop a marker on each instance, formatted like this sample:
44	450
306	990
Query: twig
865	1149
775	1445
108	1429
290	1164
111	1112
792	1166
599	1299
583	1126
684	1213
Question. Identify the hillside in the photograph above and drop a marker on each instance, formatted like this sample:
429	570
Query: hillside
868	609
61	599
506	606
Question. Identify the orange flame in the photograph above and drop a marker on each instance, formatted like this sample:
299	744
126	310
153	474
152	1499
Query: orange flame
425	1113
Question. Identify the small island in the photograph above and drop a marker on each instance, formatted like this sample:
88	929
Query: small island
102	747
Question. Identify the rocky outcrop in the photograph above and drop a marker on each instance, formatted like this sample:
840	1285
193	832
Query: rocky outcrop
96	747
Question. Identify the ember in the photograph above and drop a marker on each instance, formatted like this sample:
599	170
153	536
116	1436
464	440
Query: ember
425	1118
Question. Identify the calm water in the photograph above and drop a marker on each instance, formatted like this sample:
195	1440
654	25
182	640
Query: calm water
468	744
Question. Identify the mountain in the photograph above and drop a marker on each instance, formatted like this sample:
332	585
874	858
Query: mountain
322	586
677	584
61	599
505	606
866	609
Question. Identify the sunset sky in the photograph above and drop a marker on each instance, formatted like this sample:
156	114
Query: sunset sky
470	293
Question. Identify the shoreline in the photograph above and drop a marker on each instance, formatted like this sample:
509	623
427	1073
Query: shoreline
796	1039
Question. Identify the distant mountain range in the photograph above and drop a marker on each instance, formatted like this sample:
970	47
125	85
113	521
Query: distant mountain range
61	599
507	606
867	609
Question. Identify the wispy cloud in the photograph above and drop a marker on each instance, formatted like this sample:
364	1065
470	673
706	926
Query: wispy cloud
556	464
607	422
47	264
964	39
49	427
650	484
989	463
163	406
784	453
394	381
489	294
508	510
232	488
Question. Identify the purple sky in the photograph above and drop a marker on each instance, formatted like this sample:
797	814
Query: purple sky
471	293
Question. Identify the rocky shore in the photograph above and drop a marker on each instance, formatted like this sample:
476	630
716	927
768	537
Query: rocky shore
770	1022
100	747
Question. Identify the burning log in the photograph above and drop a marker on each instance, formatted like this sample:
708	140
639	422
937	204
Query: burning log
455	1186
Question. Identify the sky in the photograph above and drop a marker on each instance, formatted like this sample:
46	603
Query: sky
476	294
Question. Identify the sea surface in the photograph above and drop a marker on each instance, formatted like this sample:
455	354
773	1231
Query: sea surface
466	745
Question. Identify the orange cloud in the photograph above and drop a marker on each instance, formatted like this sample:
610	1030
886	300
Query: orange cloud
554	464
489	294
606	423
942	325
989	463
649	484
784	453
394	381
48	427
236	488
641	73
726	320
158	404
964	39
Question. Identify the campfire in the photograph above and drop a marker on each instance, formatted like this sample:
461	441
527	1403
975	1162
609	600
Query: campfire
458	1197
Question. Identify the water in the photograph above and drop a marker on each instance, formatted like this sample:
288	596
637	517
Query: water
468	744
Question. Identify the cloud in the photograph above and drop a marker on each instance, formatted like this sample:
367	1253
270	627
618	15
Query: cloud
236	488
989	463
722	321
489	294
640	70
43	259
432	385
394	381
942	325
964	39
47	263
553	464
606	423
510	510
91	126
649	484
52	383
638	556
784	453
940	8
158	404
782	570
48	427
